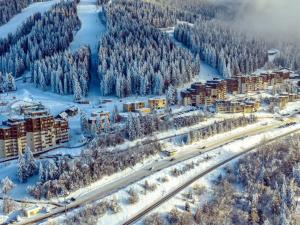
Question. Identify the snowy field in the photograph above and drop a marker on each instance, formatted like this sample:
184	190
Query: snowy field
18	19
201	164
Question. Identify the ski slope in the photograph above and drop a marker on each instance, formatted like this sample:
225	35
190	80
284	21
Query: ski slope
90	34
91	26
18	19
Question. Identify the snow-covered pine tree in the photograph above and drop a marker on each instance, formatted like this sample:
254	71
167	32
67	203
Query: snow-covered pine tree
22	171
7	185
30	162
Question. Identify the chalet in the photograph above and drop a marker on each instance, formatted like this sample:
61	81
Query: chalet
133	106
157	103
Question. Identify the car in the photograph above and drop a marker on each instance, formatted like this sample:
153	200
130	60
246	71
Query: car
73	199
203	147
172	159
151	168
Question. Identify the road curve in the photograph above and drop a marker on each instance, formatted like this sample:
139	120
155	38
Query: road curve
123	182
191	181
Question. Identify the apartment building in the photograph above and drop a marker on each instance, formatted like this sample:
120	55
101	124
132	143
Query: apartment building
38	131
208	93
238	106
251	83
12	138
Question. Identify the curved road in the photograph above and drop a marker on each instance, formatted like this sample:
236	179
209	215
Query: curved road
170	195
114	186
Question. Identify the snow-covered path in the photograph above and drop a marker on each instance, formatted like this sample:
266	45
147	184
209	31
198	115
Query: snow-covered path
18	19
90	33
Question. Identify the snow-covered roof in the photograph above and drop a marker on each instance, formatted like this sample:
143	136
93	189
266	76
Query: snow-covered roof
273	51
134	102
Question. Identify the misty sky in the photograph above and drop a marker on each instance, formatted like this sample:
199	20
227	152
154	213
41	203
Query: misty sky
271	17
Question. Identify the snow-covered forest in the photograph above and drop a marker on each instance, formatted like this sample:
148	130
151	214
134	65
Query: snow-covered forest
59	176
137	58
259	189
64	72
205	9
32	40
12	7
229	51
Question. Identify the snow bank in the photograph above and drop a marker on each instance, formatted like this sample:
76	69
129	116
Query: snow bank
202	163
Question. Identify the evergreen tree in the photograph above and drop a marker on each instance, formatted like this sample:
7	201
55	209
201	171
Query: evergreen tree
22	171
30	162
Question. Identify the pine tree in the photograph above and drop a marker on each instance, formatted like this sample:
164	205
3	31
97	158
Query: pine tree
22	172
30	162
7	185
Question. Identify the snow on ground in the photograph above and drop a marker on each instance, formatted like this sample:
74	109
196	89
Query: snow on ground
18	19
90	34
206	71
91	26
109	179
10	170
202	163
28	93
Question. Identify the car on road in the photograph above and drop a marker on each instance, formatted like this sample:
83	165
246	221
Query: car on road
151	168
172	159
73	199
203	147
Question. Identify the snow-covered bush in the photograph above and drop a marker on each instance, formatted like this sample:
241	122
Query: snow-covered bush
59	176
258	189
154	219
133	196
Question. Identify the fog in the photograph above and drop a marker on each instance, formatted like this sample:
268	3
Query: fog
274	18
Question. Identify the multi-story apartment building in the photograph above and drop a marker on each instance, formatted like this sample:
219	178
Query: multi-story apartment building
207	93
250	83
214	90
239	106
38	131
12	137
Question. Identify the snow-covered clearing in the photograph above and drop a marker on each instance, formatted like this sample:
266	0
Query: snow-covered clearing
201	164
18	19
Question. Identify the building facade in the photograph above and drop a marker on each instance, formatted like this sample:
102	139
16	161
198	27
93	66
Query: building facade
157	103
39	132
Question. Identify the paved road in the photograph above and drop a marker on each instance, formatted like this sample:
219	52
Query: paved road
110	188
168	196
